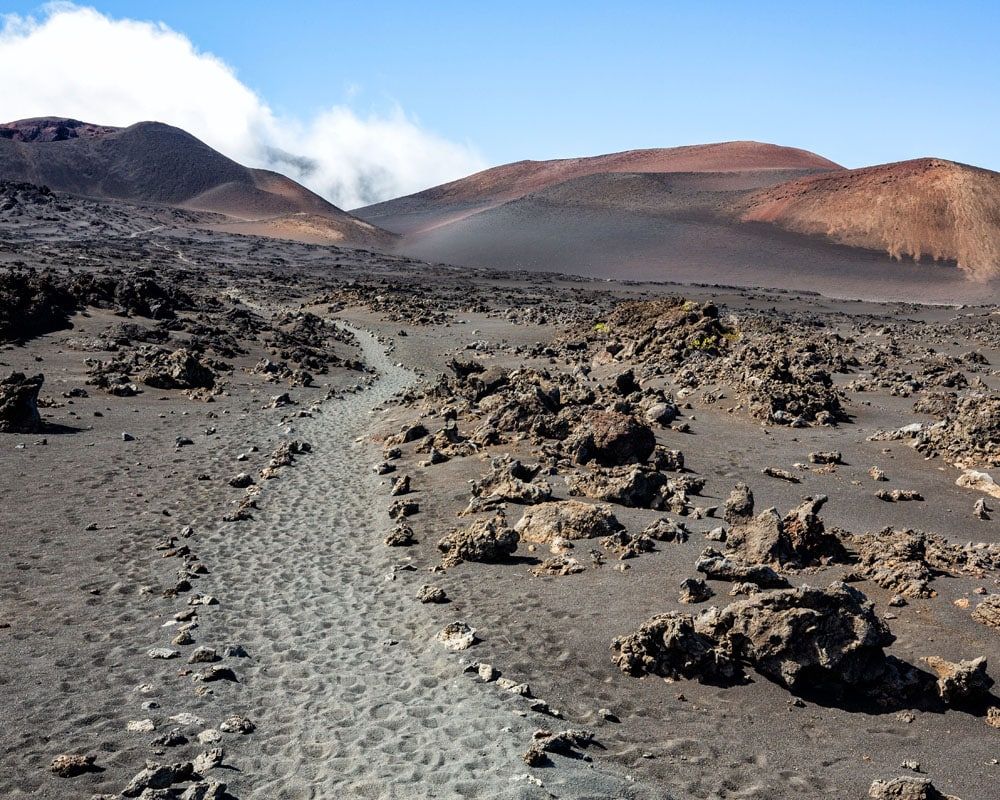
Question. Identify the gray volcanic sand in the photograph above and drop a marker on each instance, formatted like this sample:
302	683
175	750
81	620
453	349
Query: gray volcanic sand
354	695
745	741
82	606
347	690
535	235
350	695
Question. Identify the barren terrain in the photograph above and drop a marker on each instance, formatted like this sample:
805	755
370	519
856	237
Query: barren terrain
739	213
157	164
290	520
927	207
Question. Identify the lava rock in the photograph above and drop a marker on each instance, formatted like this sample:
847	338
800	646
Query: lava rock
19	403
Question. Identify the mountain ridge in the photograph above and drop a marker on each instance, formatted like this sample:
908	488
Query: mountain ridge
151	162
496	185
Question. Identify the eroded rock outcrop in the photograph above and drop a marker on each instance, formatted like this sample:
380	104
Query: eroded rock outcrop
566	519
612	439
19	403
799	638
798	539
485	540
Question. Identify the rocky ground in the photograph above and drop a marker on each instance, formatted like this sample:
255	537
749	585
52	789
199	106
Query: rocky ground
284	520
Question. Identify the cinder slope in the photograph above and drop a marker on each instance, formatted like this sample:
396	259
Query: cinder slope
153	163
925	207
309	228
682	227
661	193
450	202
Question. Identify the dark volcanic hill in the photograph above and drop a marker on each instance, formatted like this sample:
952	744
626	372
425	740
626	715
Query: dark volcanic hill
153	163
448	202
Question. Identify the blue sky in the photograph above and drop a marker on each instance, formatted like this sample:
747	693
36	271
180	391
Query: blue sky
860	83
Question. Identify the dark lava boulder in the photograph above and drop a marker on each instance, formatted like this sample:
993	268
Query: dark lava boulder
612	439
135	293
180	369
19	403
33	303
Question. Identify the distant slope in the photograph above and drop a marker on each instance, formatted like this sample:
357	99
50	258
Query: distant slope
305	227
661	193
150	162
450	202
663	222
701	246
926	207
684	227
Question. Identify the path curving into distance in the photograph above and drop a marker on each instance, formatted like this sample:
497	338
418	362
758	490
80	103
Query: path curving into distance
350	695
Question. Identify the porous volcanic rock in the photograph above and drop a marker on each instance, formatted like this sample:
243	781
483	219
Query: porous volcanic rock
739	504
907	561
969	433
487	539
799	638
19	403
960	681
988	612
566	519
798	539
180	369
509	480
906	788
718	567
612	439
634	486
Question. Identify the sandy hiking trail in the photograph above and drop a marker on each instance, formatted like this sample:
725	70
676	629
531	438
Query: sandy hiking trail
350	695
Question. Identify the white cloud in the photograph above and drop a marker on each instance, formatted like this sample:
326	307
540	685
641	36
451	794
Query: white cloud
77	62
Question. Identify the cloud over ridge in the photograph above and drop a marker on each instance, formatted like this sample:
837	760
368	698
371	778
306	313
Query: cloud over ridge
77	62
